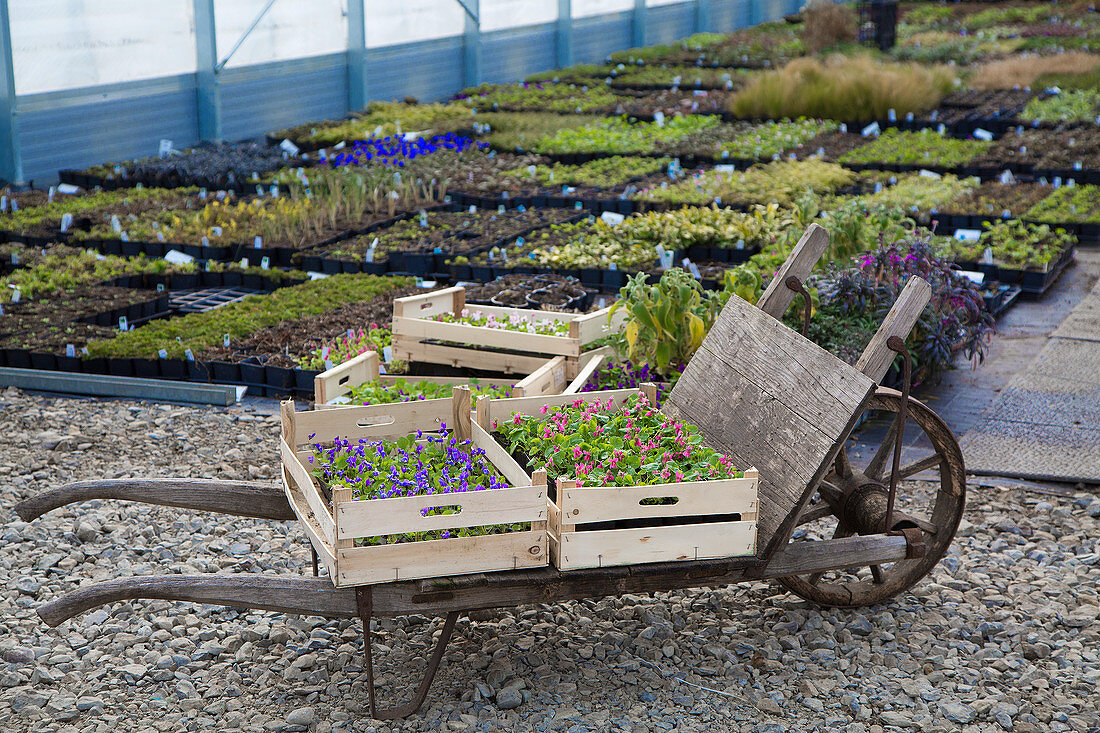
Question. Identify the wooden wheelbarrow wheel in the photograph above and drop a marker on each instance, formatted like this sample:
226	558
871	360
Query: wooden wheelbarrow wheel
937	519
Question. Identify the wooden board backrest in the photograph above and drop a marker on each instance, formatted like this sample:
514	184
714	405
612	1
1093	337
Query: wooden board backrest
772	399
876	359
799	263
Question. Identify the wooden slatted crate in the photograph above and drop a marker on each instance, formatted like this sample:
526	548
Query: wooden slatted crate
333	524
416	337
331	387
706	526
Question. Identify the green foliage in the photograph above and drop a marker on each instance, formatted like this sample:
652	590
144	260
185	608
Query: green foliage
917	193
1073	105
780	181
381	119
1023	246
198	331
1068	204
768	139
634	445
523	130
620	135
607	172
666	321
917	148
50	214
541	97
404	390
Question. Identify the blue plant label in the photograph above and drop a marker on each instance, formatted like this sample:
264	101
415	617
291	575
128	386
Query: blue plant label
70	350
382	369
84	350
217	231
578	206
843	127
987	256
3	203
892	115
258	242
521	208
289	147
1007	178
1057	182
15	258
601	303
163	353
500	209
66	221
878	186
1076	165
187	353
177	258
925	173
259	190
725	168
274	191
160	236
14	205
265	263
202	194
613	267
205	241
908	116
983	134
160	287
124	237
123	323
504	195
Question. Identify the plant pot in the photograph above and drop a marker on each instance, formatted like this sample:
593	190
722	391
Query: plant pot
279	379
197	371
68	364
253	375
185	281
252	281
175	369
330	267
221	371
120	367
231	279
45	362
147	368
97	365
303	380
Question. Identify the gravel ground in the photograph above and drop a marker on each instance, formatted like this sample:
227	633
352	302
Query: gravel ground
1003	636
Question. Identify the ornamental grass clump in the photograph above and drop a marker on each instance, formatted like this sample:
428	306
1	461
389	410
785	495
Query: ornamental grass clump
425	465
403	390
514	322
634	445
842	88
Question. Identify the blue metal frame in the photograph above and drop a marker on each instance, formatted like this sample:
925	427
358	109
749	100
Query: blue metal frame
206	76
702	15
637	24
358	87
11	159
563	41
471	42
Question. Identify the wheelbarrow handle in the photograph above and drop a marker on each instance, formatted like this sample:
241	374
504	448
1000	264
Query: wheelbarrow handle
240	498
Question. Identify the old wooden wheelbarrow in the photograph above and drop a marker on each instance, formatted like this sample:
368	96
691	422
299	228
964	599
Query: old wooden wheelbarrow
832	532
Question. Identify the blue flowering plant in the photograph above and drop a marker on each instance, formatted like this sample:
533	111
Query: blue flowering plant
423	464
396	150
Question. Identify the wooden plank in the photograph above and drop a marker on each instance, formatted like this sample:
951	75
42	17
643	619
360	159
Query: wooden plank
238	498
376	422
768	398
406	349
499	457
503	311
583	375
309	523
876	359
604	548
694	498
338	381
500	338
549	379
800	263
455	556
377	517
427	304
598	324
341	496
461	408
299	477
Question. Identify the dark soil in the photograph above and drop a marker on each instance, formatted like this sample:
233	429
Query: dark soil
644	103
992	199
181	200
1045	149
834	145
55	337
278	345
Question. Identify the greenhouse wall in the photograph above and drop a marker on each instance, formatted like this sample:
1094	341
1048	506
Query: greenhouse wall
106	89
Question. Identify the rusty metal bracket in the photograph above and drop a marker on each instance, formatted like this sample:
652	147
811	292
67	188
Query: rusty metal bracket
364	600
914	541
793	283
896	343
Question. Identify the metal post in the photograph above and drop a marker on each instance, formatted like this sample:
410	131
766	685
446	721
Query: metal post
471	43
358	90
11	157
754	12
563	51
637	24
702	15
206	76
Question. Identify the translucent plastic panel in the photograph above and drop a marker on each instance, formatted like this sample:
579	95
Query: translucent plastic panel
497	14
390	23
288	30
585	8
652	3
66	44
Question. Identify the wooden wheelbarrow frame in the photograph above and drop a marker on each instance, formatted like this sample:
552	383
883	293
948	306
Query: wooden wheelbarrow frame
777	557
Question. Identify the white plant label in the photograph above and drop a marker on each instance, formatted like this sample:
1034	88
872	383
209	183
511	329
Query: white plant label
163	353
178	258
265	263
225	340
871	130
659	118
983	134
66	221
612	218
70	350
387	354
244	262
123	323
967	235
165	148
187	353
289	147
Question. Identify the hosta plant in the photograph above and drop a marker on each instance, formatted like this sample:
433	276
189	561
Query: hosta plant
424	465
1023	246
634	445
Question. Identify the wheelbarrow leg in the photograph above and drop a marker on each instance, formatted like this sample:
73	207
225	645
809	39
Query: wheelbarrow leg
313	552
363	598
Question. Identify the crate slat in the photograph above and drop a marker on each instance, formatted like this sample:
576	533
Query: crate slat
605	548
586	504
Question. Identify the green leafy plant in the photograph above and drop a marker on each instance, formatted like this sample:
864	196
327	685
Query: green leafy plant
348	346
781	181
404	390
634	445
1024	246
521	323
1073	105
620	135
1068	204
600	173
917	148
